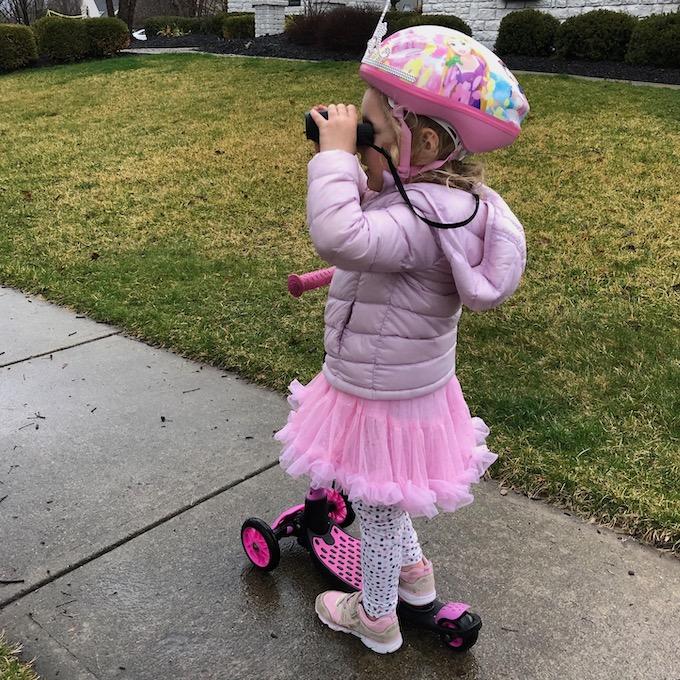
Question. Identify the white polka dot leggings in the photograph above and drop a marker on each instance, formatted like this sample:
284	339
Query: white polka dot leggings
388	542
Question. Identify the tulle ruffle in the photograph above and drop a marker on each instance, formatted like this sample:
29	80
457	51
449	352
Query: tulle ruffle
415	453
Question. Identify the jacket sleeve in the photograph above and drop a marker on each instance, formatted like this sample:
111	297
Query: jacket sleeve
486	277
383	240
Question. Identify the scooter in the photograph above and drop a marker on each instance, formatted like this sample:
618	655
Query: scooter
319	526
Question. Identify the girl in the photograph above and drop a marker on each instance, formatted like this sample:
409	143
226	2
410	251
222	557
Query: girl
386	418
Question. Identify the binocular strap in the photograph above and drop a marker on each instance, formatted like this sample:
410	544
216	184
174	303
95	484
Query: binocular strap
402	191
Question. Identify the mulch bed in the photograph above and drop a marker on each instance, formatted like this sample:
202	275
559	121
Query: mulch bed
596	69
278	46
266	46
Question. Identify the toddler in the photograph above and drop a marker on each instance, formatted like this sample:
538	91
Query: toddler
414	238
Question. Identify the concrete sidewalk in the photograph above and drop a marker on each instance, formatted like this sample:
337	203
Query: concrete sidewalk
126	472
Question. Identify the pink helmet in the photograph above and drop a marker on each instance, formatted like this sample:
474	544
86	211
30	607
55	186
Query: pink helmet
448	76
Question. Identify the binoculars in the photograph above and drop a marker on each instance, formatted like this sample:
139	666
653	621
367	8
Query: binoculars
365	133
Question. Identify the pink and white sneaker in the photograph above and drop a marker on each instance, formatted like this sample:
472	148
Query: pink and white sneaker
416	584
345	613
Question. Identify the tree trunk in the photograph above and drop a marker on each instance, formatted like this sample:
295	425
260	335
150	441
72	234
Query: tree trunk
21	11
126	11
109	8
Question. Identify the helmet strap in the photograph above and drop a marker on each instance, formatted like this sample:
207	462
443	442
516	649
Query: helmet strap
406	170
404	195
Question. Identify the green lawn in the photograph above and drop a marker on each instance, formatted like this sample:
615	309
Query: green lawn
166	195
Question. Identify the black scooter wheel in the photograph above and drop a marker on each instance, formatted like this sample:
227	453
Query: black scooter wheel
457	643
260	544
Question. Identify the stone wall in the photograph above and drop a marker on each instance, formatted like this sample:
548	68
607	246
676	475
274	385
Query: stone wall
484	16
269	16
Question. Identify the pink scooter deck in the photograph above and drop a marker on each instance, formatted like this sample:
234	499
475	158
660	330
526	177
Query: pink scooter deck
342	556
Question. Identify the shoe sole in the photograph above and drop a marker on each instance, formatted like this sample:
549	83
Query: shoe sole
416	600
379	647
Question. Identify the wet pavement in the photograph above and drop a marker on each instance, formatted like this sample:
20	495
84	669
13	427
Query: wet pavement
121	521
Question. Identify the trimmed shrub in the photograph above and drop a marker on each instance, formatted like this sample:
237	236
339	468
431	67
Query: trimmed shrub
62	39
596	36
170	25
17	46
239	26
316	28
302	29
448	21
214	24
107	36
346	29
527	32
656	41
393	16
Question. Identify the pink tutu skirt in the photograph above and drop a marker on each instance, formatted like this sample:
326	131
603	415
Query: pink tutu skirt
414	453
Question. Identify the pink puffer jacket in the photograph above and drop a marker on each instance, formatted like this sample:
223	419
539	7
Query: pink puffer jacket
395	299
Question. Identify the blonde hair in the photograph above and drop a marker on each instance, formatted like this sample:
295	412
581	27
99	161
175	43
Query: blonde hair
466	174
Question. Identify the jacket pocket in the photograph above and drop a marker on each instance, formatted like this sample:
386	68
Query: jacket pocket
344	325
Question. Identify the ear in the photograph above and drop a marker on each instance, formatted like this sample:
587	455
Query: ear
430	141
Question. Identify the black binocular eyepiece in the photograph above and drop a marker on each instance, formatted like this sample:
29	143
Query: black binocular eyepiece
365	133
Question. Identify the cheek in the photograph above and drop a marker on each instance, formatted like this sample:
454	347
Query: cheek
372	159
385	140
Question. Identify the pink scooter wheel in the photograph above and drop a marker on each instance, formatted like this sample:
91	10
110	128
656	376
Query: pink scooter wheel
260	544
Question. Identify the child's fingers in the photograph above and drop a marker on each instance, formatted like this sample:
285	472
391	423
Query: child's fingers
347	112
318	118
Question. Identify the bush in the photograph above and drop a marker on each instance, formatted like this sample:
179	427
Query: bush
239	26
448	21
346	29
62	39
302	29
213	24
175	25
598	35
316	28
170	25
107	36
527	32
656	41
17	46
393	16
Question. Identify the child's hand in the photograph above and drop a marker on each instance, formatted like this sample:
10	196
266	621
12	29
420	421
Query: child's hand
340	130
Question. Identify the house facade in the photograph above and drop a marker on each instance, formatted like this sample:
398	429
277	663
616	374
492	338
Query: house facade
484	16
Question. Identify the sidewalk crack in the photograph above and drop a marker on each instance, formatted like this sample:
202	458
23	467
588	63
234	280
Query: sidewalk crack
61	644
60	349
135	534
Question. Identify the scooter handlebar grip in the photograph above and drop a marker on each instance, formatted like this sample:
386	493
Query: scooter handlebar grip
298	284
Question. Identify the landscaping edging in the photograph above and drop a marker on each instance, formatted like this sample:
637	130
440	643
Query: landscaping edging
278	46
